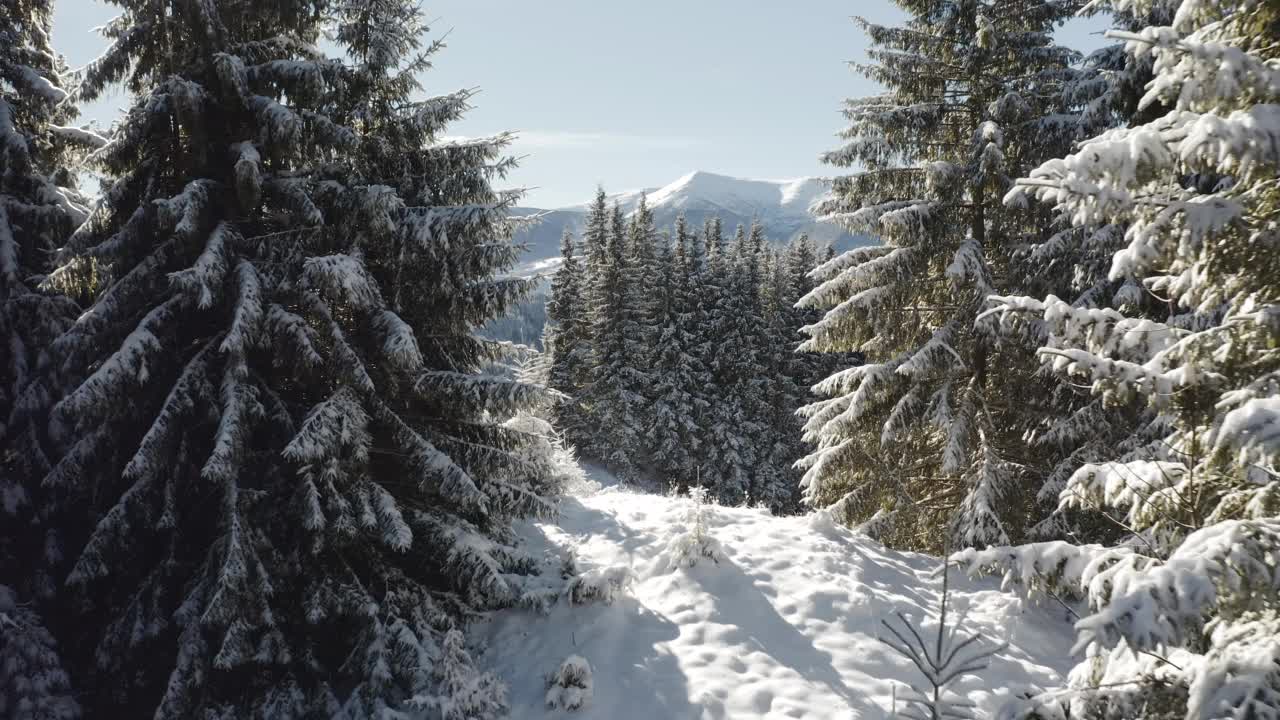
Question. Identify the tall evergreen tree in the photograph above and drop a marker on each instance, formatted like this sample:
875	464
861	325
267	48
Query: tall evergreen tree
1068	426
39	208
1194	576
789	373
799	262
772	484
581	431
921	436
749	381
726	465
567	338
674	434
643	297
611	400
828	253
296	481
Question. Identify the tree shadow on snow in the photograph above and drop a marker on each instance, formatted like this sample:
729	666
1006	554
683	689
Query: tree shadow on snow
634	676
585	521
741	603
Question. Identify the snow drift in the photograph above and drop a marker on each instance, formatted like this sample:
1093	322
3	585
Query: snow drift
782	622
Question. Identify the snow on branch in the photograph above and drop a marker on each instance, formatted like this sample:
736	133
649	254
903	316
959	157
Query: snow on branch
246	320
856	275
343	355
336	426
289	330
437	471
399	343
1152	491
185	211
491	393
248	171
1147	605
1252	430
187	393
239	407
81	136
206	276
343	278
1047	567
126	368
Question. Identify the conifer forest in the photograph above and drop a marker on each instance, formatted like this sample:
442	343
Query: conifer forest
304	416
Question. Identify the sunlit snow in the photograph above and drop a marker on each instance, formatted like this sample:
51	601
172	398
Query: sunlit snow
785	624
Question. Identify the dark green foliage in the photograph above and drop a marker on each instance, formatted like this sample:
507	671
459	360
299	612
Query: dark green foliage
694	379
289	479
926	435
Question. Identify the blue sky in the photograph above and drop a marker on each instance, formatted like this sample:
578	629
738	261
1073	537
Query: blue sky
629	95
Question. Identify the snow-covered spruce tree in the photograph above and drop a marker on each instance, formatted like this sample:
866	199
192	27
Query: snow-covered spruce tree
570	686
770	482
595	238
567	342
920	437
1185	612
942	659
294	481
33	683
708	276
727	467
39	208
1069	426
643	295
615	408
467	694
799	262
748	344
674	435
787	377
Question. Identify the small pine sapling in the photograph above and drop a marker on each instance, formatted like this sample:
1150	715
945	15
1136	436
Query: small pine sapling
599	585
464	692
569	687
696	542
949	658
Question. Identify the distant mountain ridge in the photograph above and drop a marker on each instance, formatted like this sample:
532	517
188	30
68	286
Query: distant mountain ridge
782	206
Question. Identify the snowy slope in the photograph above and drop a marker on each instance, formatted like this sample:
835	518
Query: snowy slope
782	206
784	625
737	196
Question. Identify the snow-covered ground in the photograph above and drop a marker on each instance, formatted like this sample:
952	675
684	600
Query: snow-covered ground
785	624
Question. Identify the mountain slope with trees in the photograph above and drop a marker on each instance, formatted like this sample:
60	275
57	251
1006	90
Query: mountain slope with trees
678	362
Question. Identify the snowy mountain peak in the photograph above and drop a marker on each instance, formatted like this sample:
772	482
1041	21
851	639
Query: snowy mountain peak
782	206
701	190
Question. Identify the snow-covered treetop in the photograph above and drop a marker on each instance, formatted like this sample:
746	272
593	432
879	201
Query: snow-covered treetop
36	144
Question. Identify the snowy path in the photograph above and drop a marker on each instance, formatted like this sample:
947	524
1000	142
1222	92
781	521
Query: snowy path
784	625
